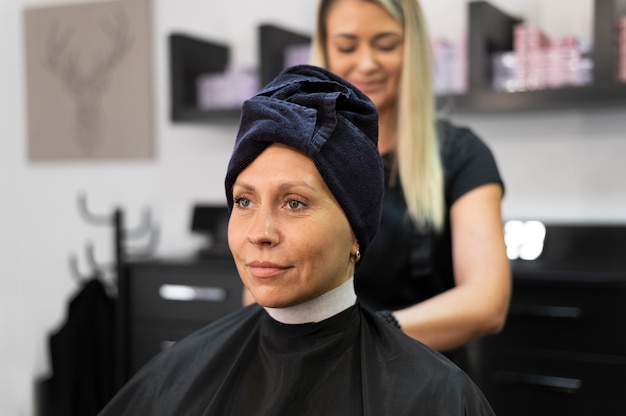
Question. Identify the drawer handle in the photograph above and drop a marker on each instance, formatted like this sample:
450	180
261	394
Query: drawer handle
560	384
190	293
553	312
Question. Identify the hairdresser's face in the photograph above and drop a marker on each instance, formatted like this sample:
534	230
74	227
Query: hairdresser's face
290	239
365	46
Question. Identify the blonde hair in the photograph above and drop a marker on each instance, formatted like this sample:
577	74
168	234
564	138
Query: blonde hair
417	160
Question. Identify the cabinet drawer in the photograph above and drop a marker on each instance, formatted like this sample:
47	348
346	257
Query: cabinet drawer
167	292
567	316
164	301
526	384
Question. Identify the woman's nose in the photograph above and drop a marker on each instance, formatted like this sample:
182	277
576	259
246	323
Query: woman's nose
367	59
263	229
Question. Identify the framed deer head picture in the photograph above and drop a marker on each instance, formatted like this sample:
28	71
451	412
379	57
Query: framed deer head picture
89	81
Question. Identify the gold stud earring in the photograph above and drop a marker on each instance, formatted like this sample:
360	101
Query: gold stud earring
356	256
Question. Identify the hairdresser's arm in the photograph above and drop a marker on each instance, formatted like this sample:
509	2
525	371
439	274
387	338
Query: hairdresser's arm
479	302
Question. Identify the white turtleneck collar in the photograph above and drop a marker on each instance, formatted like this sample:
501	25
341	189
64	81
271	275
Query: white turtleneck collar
318	309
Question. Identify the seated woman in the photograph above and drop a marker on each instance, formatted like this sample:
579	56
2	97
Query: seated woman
305	186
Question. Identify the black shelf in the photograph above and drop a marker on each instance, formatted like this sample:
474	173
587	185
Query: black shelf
190	57
273	41
489	101
491	30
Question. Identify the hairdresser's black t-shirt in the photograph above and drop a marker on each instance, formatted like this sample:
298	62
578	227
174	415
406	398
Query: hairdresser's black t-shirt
404	265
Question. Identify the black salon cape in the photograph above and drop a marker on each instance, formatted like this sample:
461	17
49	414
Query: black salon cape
353	363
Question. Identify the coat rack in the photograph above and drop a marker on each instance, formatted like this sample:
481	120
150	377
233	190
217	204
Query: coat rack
121	235
122	253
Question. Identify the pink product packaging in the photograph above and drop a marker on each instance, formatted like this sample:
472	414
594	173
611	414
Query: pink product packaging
297	55
621	50
449	67
505	72
541	62
527	38
226	90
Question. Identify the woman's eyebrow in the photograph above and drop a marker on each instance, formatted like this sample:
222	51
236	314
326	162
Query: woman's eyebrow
345	35
282	187
296	184
377	37
243	185
387	35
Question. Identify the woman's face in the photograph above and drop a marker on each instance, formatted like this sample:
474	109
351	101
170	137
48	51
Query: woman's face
365	46
290	239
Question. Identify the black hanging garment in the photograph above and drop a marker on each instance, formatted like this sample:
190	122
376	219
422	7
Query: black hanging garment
82	355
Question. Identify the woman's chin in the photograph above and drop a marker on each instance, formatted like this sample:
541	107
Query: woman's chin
270	299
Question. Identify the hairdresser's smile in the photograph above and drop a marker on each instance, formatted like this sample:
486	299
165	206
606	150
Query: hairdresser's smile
369	86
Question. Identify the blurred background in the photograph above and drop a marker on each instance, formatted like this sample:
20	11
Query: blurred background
561	165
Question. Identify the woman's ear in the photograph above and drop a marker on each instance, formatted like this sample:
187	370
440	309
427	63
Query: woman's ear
355	254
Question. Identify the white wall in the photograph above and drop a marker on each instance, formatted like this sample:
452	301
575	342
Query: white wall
447	18
560	166
564	166
39	221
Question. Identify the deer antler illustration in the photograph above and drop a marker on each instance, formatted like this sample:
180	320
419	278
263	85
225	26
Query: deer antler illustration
86	85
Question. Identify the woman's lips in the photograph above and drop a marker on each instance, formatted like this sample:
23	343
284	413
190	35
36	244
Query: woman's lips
368	86
266	269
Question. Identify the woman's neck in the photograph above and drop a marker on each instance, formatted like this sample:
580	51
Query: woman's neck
387	132
318	309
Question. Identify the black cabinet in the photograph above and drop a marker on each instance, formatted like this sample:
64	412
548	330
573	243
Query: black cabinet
563	349
540	384
165	300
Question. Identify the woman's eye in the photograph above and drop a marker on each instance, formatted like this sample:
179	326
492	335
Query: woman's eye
344	46
242	202
349	49
388	47
295	204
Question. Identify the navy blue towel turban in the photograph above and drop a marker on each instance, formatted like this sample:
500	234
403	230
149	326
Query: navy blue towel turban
328	119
